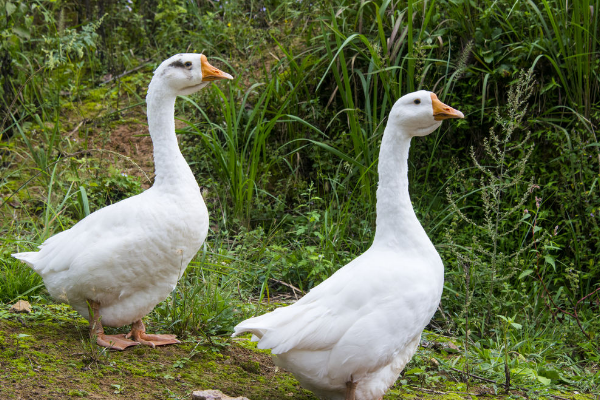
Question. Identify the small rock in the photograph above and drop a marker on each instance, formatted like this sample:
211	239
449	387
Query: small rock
434	363
213	395
20	306
452	346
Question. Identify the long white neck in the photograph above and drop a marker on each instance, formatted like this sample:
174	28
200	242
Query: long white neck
169	164
397	224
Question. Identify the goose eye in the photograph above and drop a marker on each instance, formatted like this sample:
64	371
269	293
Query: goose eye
188	64
417	101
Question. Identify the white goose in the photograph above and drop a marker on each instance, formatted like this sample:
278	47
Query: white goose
124	259
351	336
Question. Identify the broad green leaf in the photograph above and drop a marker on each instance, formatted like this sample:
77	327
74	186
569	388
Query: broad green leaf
525	273
550	260
10	8
414	371
543	380
22	32
550	374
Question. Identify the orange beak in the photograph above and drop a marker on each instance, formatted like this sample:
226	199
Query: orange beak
442	111
210	73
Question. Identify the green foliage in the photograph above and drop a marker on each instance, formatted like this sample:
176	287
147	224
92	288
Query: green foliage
286	155
238	145
570	43
17	280
107	189
498	220
201	304
15	31
578	202
69	45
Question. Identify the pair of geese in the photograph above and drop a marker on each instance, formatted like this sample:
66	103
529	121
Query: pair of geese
348	338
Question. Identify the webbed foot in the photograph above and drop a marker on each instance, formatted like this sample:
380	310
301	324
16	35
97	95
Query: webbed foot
114	342
138	333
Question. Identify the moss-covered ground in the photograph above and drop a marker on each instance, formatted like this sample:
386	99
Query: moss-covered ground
47	354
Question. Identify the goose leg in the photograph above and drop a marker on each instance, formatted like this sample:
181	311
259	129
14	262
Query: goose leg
350	389
112	342
138	332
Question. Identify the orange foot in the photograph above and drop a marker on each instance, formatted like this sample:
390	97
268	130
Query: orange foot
114	342
138	333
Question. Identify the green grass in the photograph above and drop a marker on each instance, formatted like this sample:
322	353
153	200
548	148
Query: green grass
287	153
18	281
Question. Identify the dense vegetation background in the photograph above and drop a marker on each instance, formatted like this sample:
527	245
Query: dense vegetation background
286	155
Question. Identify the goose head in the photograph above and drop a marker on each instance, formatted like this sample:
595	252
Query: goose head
419	113
184	74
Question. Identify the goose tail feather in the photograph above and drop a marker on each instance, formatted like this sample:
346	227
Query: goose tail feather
29	257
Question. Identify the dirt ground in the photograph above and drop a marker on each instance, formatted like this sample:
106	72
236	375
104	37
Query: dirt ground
51	357
132	140
47	354
127	140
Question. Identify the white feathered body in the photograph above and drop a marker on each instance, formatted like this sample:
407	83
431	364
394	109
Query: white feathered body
340	331
363	324
127	256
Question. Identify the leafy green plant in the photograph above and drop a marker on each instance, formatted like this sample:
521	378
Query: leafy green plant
507	324
69	45
201	304
494	249
19	338
119	389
